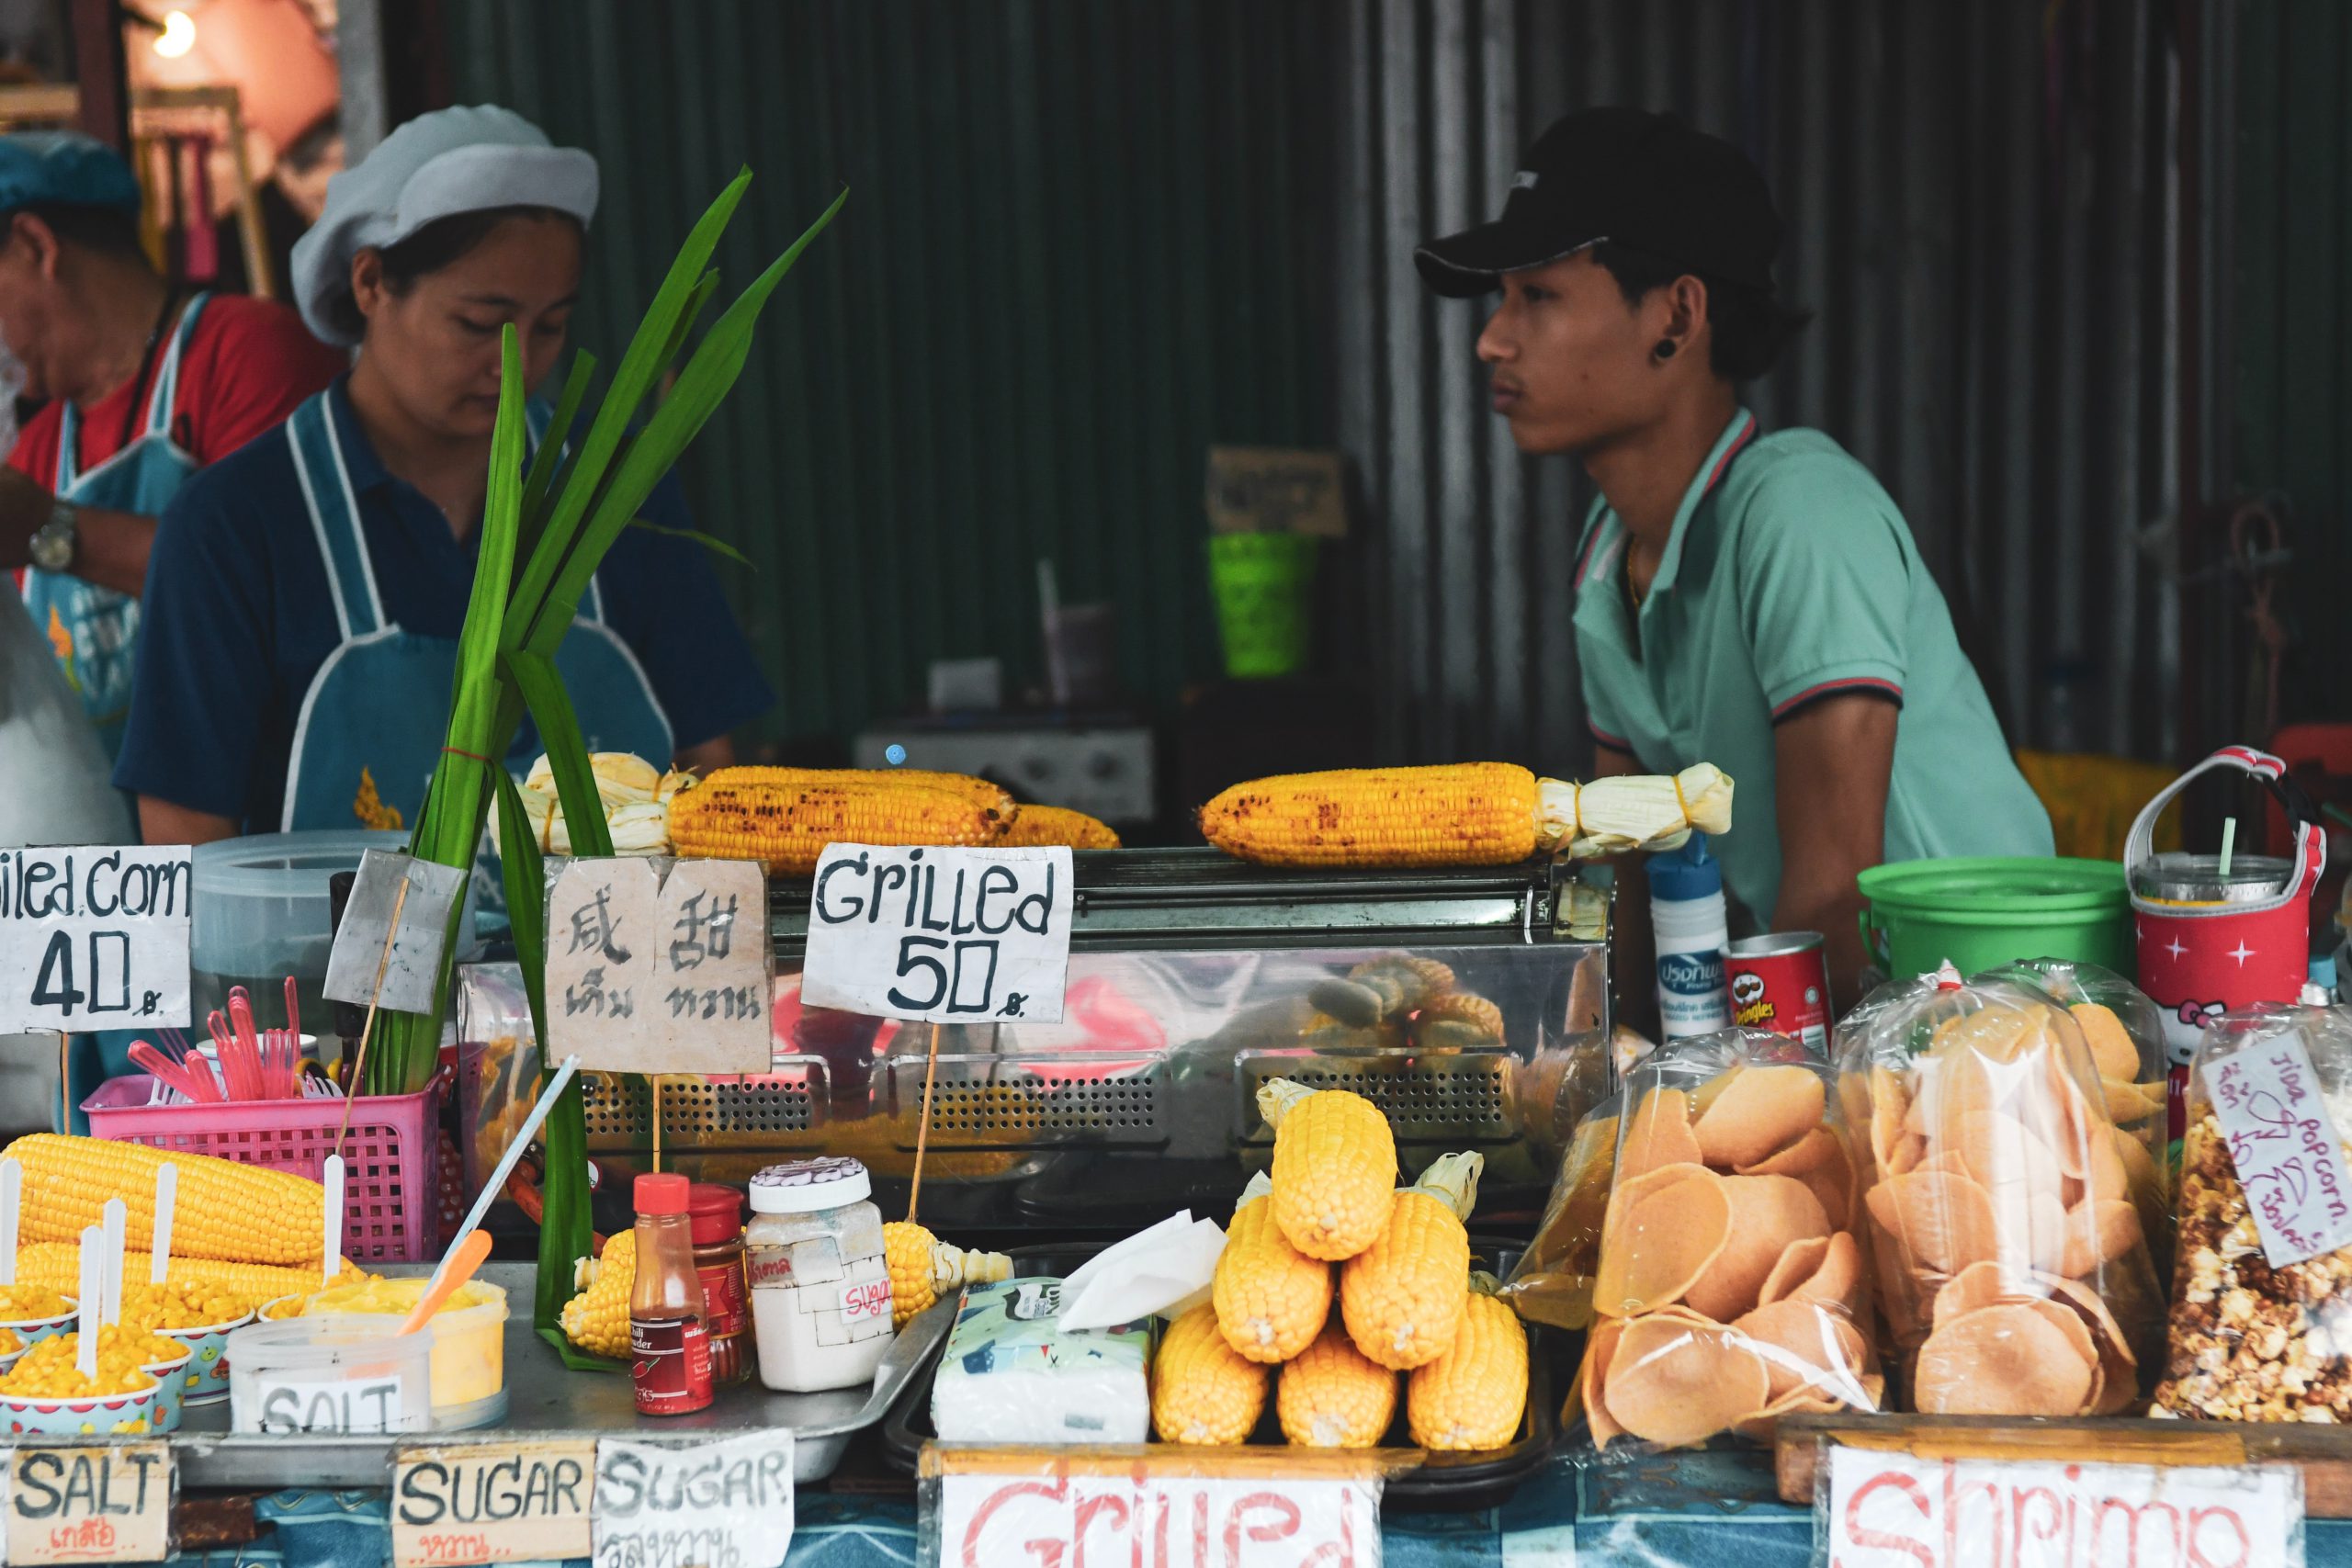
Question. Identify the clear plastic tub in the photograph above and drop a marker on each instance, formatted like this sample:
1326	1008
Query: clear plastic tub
354	1374
469	1340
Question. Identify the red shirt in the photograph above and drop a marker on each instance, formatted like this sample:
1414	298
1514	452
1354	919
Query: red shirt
249	363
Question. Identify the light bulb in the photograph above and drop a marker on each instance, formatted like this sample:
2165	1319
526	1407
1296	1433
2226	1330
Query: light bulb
178	35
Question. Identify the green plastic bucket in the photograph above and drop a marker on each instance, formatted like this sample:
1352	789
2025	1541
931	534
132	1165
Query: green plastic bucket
1982	913
1264	585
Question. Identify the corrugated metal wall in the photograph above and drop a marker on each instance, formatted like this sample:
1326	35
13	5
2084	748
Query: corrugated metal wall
1979	208
1082	242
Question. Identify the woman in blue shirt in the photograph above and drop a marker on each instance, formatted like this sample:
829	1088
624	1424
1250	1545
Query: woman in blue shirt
305	594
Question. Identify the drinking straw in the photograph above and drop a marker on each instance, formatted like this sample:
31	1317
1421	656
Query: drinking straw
159	1251
2229	842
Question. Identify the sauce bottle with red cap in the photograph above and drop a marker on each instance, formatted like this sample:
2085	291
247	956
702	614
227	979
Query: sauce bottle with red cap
669	1341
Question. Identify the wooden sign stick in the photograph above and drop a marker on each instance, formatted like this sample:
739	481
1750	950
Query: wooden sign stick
922	1128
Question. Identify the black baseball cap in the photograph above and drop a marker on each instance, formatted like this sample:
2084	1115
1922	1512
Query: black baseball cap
1648	181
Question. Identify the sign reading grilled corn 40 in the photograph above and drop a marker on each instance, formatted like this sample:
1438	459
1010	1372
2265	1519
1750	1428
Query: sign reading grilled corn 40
940	935
94	938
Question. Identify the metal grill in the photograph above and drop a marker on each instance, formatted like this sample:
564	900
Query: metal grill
991	1102
1427	1099
729	1112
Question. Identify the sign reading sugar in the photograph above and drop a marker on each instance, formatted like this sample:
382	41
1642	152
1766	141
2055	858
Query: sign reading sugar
940	935
94	938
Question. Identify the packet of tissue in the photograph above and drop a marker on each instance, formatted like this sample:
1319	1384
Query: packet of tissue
1159	1272
1013	1372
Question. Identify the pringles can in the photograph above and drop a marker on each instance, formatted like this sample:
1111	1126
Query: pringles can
1780	983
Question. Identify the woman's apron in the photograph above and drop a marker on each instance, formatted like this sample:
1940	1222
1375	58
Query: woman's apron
92	628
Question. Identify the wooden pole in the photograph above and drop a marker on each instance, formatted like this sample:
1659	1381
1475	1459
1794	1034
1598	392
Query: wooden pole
922	1128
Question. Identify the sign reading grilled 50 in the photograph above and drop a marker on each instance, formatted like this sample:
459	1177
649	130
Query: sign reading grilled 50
940	935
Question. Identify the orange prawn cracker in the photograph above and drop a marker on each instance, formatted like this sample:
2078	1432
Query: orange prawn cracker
1769	1214
1762	1109
1661	1240
1674	1382
2009	1359
1658	1135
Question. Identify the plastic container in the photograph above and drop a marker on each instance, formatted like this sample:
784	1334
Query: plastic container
469	1341
1981	913
1264	584
669	1332
715	1213
821	1286
109	1415
206	1377
354	1375
171	1376
1688	920
388	1154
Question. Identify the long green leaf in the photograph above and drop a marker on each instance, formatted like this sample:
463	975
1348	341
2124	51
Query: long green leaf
575	781
550	457
710	542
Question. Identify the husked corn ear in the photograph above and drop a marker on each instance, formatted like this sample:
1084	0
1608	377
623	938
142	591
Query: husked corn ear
1472	1396
923	1269
237	1213
787	826
622	777
1271	1299
1202	1392
1333	1396
1335	1167
1040	827
1402	1296
58	1266
1460	813
597	1318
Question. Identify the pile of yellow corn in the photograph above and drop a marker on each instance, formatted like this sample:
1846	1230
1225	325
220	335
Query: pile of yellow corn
786	817
226	1212
55	1266
1403	1285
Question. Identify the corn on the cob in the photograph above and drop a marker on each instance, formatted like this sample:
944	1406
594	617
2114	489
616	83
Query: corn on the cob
923	1269
993	800
1202	1392
1472	1396
1335	1167
622	778
788	825
1271	1299
1402	1296
597	1318
57	1265
1333	1396
1461	814
237	1213
1042	826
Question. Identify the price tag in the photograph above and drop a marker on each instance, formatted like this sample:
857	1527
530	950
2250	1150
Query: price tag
108	1503
94	938
1892	1507
727	1503
2285	1148
491	1503
940	935
412	971
655	974
1069	1513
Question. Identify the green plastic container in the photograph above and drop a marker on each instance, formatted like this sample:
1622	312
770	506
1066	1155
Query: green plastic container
1265	586
1982	913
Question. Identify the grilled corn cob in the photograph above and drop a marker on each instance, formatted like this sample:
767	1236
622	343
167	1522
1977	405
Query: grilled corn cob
923	1269
729	817
1335	1167
1039	825
57	1265
597	1318
993	799
237	1213
1201	1390
1402	1296
1332	1397
1472	1396
1463	814
1271	1299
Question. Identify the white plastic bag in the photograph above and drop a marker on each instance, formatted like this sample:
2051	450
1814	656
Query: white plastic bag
54	787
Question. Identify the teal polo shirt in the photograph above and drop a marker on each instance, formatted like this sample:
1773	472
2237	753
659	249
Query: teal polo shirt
1790	576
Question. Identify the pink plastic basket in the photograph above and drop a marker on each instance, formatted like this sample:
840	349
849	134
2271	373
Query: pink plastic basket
387	1155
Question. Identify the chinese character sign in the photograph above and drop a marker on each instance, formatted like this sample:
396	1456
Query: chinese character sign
654	973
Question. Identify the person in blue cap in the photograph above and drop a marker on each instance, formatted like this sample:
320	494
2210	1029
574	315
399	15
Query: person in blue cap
144	385
305	596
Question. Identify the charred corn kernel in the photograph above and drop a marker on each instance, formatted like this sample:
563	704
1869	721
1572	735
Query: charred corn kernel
57	1264
1335	1167
993	800
27	1301
1333	1396
1271	1298
1041	826
788	825
923	1269
597	1318
1463	814
1401	1298
183	1302
1472	1396
238	1213
1464	1008
1201	1390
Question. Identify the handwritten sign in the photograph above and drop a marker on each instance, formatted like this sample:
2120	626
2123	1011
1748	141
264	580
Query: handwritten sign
391	1403
491	1503
648	973
413	970
1274	490
2285	1148
102	1503
717	1504
94	938
940	935
1892	1507
1263	1522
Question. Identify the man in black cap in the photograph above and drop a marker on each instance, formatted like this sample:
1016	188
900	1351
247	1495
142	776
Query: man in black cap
1747	600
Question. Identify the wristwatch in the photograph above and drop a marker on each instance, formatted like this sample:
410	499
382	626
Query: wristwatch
55	542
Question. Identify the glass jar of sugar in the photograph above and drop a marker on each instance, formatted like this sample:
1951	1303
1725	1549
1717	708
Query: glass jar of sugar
819	1285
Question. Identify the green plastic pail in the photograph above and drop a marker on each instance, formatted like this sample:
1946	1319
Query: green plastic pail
1981	913
1264	585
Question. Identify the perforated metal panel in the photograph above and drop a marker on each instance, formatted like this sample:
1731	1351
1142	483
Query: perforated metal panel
728	1112
997	1102
1462	1098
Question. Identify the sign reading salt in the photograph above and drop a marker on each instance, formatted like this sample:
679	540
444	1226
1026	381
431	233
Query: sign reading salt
104	1503
940	935
2285	1148
654	973
94	938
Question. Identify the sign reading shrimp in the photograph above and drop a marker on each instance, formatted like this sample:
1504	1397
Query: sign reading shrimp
1894	1508
1059	1513
940	935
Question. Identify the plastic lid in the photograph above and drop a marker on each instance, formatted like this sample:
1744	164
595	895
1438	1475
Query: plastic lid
718	1213
805	1186
1689	872
665	1192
